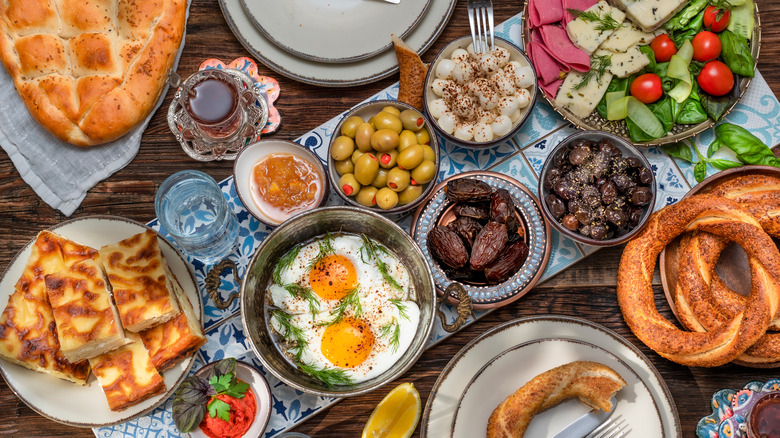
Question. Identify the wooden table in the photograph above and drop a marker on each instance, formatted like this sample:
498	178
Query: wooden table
585	290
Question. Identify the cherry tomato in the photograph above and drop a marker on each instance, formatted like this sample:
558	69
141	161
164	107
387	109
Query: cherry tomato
706	46
716	78
716	19
647	88
663	48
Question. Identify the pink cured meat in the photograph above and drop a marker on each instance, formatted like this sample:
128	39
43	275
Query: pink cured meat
543	12
547	67
562	49
551	89
579	5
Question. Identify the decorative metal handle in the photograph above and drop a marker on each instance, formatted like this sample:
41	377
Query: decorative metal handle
213	281
464	309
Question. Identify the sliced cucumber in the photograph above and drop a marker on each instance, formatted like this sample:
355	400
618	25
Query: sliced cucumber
743	19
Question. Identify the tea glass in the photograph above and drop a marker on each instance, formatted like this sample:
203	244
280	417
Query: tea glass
222	138
192	209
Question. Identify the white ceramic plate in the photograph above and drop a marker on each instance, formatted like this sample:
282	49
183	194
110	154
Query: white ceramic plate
67	402
454	382
333	74
250	375
501	376
336	31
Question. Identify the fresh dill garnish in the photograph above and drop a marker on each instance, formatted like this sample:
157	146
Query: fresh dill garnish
284	263
605	22
399	304
326	248
329	376
299	291
392	329
292	333
598	66
370	250
351	300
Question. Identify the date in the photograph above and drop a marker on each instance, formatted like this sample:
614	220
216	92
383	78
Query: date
468	190
488	245
447	246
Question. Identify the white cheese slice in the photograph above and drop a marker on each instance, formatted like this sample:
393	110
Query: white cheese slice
584	34
626	37
650	14
624	64
583	101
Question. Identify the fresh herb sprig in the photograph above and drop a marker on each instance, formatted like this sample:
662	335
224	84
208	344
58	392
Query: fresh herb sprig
306	294
599	64
370	250
329	376
393	330
196	395
401	306
284	263
604	22
292	333
352	300
325	249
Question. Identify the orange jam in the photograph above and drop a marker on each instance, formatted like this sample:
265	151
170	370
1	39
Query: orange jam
285	184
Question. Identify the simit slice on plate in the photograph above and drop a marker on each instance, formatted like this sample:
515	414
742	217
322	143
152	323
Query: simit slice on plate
413	71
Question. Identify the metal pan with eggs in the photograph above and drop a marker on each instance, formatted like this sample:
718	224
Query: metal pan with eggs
303	228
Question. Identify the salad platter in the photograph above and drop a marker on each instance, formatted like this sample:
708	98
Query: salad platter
679	116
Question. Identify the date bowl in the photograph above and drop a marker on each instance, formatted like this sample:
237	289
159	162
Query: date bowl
430	96
302	228
345	173
583	215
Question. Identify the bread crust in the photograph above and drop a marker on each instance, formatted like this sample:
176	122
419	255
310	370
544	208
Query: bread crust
413	72
91	76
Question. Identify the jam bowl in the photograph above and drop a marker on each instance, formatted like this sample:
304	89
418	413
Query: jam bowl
278	179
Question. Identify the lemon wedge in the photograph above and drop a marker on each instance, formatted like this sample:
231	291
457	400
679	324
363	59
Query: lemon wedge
396	416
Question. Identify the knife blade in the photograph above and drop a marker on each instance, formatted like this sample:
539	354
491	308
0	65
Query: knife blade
584	425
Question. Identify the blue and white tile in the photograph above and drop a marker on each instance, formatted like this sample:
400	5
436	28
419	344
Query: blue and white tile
671	184
456	159
537	153
542	121
518	168
564	252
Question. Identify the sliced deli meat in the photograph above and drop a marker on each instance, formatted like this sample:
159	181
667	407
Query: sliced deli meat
560	47
547	67
543	12
574	5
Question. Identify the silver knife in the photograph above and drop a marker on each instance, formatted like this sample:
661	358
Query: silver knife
586	423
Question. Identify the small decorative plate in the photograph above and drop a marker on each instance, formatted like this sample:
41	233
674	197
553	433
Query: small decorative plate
730	409
436	210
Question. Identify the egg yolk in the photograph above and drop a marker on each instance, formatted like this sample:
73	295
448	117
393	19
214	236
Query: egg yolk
333	277
347	343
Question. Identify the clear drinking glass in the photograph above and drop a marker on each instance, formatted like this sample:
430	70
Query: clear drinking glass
192	209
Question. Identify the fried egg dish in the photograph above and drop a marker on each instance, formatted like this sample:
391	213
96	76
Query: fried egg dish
342	308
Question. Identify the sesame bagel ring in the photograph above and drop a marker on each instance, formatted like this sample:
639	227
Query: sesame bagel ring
720	216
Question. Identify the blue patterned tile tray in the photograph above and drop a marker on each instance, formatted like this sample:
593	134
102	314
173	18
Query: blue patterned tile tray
730	409
521	158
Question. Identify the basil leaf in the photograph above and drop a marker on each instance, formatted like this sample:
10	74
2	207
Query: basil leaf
715	106
736	54
691	113
224	366
724	164
187	416
194	390
748	147
679	150
682	18
700	171
648	51
714	147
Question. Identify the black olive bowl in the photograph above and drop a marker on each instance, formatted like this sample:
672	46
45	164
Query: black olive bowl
627	150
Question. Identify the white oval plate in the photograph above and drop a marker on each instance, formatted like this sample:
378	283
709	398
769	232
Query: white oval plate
86	406
453	383
502	376
333	74
336	31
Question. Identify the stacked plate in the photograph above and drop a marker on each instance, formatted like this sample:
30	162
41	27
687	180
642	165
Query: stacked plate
334	44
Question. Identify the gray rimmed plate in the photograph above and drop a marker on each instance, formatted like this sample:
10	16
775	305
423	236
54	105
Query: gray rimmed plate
64	401
437	210
453	383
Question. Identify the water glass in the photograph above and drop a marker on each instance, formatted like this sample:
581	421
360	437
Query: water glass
192	209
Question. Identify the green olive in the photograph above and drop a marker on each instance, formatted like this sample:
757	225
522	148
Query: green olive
392	110
386	198
412	120
428	153
409	194
367	196
422	136
350	125
398	179
365	168
385	120
342	148
384	140
411	157
406	139
363	136
349	185
345	166
424	172
387	159
370	121
355	155
381	178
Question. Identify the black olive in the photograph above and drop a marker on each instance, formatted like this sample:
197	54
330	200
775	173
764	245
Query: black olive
598	232
579	155
570	222
591	196
623	182
565	189
620	166
634	162
609	192
645	175
616	215
561	157
641	196
634	216
552	177
606	145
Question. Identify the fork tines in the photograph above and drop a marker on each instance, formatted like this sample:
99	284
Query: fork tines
481	23
611	428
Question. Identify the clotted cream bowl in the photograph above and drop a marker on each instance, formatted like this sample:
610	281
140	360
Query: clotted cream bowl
302	228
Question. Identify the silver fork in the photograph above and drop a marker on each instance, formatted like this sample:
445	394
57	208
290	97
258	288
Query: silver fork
613	427
481	23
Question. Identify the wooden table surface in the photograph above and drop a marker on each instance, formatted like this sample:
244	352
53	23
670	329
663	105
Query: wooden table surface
585	290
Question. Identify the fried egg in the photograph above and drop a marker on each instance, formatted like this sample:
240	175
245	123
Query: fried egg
343	302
